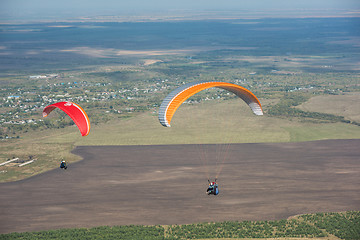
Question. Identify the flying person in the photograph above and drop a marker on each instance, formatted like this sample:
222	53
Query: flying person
178	96
63	164
213	188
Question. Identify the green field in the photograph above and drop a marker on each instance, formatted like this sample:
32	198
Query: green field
330	226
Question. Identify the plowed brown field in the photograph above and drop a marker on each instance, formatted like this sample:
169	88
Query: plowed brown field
122	185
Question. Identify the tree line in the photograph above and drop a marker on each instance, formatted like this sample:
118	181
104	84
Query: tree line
344	225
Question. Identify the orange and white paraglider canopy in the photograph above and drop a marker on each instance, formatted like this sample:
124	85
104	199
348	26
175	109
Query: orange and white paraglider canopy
173	101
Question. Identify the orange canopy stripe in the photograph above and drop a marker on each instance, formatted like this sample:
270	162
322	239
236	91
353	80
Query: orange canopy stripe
179	95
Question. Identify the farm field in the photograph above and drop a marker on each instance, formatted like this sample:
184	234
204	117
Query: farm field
166	184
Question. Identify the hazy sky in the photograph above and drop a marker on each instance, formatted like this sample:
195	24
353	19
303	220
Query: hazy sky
76	8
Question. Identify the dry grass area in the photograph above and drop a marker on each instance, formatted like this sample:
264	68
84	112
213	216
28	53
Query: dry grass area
111	52
150	61
347	105
45	146
210	122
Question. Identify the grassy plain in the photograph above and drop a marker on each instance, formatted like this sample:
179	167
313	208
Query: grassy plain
214	122
344	105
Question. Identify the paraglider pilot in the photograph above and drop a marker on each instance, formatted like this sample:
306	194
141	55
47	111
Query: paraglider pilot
63	164
213	188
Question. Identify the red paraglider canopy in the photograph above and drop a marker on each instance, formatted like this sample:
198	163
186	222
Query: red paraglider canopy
77	114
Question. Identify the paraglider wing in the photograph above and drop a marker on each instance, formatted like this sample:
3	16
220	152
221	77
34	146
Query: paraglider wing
173	101
77	114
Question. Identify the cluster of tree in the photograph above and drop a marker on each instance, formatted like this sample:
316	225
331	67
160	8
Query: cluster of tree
343	225
116	232
247	229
